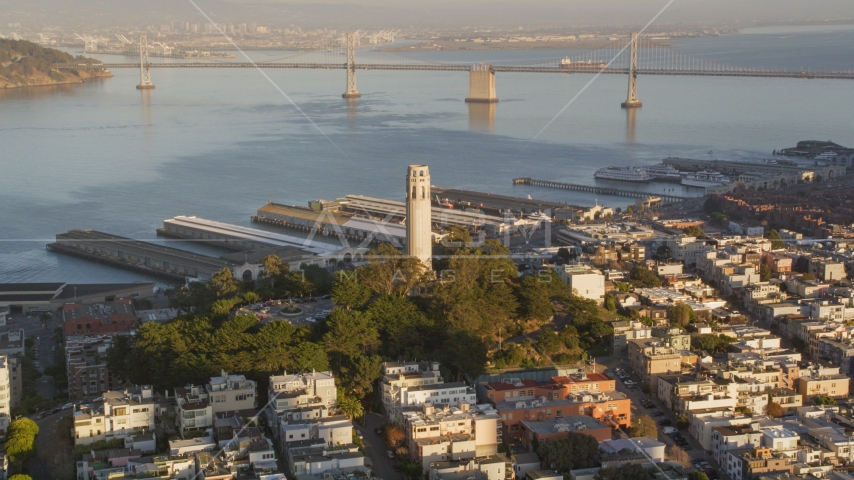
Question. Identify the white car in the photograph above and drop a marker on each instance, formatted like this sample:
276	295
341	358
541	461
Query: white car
310	320
67	406
390	454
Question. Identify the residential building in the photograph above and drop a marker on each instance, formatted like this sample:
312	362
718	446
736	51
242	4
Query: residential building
398	375
295	390
749	463
586	282
194	410
649	448
625	331
493	467
650	358
86	364
827	270
231	393
532	432
612	408
558	387
120	414
334	430
451	433
5	393
734	437
105	318
702	424
673	337
314	461
787	398
822	379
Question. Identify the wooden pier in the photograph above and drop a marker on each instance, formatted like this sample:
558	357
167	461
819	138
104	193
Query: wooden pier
599	190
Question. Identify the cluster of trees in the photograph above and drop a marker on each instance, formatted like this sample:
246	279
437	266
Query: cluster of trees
576	451
642	277
694	231
711	343
681	314
21	440
475	296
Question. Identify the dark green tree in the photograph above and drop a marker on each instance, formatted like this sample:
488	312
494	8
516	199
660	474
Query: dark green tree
777	242
631	471
610	303
823	400
640	276
764	273
694	231
578	450
348	293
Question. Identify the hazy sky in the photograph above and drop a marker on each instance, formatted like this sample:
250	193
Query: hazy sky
435	13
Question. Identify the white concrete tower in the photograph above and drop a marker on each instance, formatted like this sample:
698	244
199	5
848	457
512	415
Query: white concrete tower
419	234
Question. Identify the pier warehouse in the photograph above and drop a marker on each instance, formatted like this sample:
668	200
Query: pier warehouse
327	220
136	255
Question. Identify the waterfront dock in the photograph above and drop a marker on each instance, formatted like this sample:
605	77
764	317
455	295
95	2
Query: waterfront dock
144	257
649	197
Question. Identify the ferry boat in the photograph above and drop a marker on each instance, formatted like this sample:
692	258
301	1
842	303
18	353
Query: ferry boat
704	179
664	173
623	174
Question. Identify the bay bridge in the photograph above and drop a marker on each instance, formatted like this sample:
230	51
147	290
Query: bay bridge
639	57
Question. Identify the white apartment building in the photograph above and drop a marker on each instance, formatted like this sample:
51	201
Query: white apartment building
334	430
5	393
194	410
121	414
310	393
732	437
585	281
231	393
400	375
687	249
438	395
702	424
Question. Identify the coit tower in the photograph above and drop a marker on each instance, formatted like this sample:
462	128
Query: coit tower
419	235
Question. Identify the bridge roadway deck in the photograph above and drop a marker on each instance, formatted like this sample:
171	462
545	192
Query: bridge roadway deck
837	75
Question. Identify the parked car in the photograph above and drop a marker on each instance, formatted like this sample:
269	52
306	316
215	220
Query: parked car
310	319
669	430
67	406
390	454
378	431
657	413
665	422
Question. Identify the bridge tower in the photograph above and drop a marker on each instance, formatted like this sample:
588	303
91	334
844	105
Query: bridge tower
351	67
632	98
144	68
482	84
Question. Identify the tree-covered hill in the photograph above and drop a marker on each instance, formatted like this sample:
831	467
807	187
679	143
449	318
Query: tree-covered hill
24	63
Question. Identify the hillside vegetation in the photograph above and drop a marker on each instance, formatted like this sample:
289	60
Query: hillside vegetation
25	64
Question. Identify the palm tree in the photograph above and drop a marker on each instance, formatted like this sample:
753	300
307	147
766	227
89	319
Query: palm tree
352	407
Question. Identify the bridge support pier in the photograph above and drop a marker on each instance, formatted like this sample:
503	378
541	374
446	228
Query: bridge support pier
481	84
144	70
632	98
351	68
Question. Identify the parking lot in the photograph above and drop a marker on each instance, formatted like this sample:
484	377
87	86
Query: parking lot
298	311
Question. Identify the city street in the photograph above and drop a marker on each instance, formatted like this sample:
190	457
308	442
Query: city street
375	448
697	452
